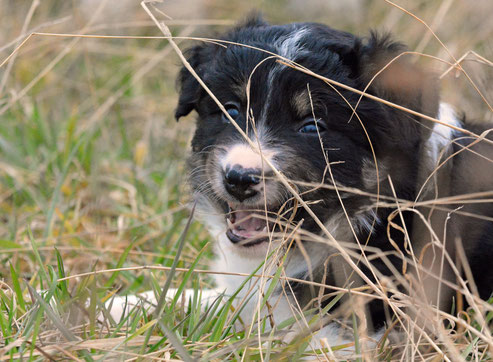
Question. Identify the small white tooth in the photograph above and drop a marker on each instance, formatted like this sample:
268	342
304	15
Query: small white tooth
264	230
230	224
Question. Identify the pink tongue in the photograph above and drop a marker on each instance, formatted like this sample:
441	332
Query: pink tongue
248	224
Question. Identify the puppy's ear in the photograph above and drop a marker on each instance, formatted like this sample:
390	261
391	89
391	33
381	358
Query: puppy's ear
190	89
349	55
198	57
401	82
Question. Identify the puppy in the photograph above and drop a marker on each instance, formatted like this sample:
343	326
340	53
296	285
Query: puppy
321	190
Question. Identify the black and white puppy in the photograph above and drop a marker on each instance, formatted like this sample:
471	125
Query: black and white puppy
350	158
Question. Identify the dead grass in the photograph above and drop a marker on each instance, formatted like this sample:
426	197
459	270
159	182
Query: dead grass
92	195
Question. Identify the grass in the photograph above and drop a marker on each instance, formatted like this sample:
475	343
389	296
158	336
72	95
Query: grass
92	178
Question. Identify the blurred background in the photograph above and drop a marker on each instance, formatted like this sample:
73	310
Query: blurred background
91	159
92	162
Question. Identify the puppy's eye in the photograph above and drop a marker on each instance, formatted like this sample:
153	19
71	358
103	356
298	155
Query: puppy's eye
233	112
310	126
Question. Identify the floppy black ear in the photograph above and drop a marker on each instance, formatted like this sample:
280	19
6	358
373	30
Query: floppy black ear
198	57
402	82
190	89
349	55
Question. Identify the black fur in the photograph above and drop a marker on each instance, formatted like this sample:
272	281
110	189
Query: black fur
397	137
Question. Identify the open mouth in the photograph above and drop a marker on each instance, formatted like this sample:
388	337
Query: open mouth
246	226
249	226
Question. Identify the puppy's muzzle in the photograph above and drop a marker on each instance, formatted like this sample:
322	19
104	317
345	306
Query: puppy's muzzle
241	183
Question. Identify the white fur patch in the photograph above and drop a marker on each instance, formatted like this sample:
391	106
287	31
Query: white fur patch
331	336
441	134
366	221
242	154
435	150
119	307
289	45
280	306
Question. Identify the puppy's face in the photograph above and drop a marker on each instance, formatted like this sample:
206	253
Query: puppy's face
296	123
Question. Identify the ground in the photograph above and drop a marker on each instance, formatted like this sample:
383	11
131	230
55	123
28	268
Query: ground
92	172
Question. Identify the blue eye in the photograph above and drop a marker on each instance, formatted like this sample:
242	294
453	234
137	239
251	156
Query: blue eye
311	125
232	111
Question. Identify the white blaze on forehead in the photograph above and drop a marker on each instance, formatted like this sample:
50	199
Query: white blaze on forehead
289	45
242	154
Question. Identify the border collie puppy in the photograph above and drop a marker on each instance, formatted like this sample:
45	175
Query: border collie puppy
332	191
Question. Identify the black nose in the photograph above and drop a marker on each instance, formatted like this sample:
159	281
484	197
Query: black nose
239	181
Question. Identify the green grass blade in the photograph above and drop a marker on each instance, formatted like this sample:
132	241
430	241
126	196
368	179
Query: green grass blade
7	244
52	315
61	274
173	339
119	264
162	298
17	289
187	276
37	256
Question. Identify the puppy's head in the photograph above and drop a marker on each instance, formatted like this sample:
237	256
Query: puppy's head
300	125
